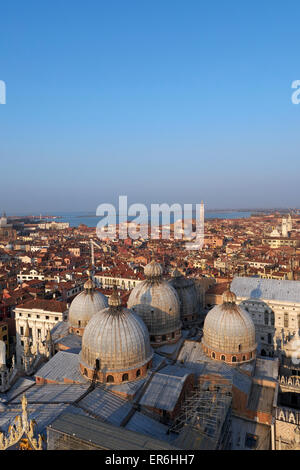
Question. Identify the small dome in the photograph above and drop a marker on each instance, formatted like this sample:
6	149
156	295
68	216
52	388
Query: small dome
229	332
153	270
117	338
85	305
157	303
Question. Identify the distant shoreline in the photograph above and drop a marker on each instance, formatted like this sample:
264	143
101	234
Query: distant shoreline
208	211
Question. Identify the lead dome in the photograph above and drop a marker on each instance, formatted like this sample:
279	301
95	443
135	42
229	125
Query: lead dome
157	303
115	345
229	332
188	296
84	306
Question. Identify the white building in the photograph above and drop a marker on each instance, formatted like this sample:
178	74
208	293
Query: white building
41	315
28	275
54	225
275	309
107	281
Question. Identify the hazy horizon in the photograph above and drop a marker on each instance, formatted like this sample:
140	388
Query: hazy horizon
163	102
93	213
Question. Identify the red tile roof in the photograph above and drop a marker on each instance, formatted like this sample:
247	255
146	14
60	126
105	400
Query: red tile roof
44	304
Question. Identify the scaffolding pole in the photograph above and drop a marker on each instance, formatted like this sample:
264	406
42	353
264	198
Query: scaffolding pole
208	412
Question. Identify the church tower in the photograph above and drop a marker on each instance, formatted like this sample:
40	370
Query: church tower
284	227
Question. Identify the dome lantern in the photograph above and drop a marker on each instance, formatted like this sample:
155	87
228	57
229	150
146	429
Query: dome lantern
229	297
114	301
153	271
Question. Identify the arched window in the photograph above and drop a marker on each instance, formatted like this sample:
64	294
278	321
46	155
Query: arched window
233	359
213	355
240	347
244	358
222	358
110	379
138	372
79	323
173	335
124	377
97	364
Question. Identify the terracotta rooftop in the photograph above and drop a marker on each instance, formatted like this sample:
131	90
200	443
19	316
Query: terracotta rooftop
44	304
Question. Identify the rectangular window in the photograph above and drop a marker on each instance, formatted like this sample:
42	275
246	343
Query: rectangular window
4	338
269	338
286	320
21	330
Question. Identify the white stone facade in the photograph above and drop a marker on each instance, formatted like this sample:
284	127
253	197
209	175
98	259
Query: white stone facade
276	319
39	322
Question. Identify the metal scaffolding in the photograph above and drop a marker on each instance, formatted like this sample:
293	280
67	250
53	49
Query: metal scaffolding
207	413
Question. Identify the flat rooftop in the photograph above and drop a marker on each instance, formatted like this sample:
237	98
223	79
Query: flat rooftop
103	435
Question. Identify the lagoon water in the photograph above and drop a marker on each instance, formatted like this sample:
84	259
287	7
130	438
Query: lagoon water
91	220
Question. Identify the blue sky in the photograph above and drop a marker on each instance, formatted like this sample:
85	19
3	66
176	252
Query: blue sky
161	100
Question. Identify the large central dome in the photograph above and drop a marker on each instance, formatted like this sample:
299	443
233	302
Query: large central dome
229	332
116	343
157	303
